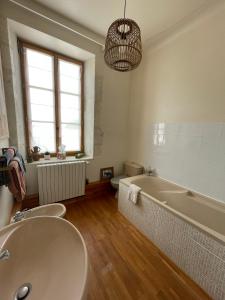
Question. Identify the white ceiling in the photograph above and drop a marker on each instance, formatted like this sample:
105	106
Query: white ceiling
153	16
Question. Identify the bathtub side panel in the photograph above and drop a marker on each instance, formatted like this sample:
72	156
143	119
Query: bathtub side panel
196	253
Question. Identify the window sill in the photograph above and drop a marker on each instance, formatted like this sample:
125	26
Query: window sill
54	160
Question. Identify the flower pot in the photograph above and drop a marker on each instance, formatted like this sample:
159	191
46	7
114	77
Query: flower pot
47	156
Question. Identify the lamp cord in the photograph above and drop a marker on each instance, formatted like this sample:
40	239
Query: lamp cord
124	13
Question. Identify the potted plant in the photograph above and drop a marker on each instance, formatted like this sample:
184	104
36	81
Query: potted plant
47	155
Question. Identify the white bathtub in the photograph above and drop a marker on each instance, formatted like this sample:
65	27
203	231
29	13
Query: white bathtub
188	227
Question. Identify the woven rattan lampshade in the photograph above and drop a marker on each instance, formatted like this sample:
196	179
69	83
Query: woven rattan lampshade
123	50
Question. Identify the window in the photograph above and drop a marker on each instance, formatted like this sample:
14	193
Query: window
53	93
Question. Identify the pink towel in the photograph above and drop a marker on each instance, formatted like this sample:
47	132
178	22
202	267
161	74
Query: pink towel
17	181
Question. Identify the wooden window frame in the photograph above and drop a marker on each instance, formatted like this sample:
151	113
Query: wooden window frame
56	56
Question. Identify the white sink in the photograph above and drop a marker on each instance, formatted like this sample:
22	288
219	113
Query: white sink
54	210
48	253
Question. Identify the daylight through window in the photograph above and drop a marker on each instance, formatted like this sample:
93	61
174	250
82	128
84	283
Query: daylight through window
53	99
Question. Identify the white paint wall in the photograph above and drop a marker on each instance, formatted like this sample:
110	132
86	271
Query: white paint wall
6	205
6	199
182	80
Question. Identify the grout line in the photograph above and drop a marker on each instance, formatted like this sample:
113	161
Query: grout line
223	261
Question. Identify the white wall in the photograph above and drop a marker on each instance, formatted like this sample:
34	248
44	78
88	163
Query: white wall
181	83
6	205
111	90
6	199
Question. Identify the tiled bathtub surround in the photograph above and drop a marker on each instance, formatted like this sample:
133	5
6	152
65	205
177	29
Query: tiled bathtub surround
197	253
191	155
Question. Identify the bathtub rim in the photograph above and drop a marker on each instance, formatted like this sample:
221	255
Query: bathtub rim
212	233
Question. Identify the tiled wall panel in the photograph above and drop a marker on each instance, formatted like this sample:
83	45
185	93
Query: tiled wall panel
191	155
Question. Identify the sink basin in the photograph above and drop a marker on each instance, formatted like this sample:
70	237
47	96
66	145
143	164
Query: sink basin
54	210
49	254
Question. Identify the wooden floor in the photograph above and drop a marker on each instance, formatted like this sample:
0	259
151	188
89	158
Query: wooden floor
123	263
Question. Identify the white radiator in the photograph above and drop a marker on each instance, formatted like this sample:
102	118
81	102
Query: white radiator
61	181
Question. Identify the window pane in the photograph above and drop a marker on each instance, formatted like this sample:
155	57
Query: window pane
69	85
40	83
69	69
39	60
70	108
71	137
40	78
43	135
39	96
42	105
40	69
69	77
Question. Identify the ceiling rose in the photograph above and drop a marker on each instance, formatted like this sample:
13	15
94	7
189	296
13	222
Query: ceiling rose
123	50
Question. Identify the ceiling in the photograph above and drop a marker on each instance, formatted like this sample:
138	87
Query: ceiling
153	16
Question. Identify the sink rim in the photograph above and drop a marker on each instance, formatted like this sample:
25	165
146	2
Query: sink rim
40	207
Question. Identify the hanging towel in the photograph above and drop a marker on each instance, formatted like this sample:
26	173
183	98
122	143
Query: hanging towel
4	175
16	184
133	192
11	153
8	154
14	177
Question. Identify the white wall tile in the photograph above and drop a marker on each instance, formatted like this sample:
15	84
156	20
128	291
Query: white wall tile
191	154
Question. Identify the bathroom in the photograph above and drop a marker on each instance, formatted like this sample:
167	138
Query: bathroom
134	207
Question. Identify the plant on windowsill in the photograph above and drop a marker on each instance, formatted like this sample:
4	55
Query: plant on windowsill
47	155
